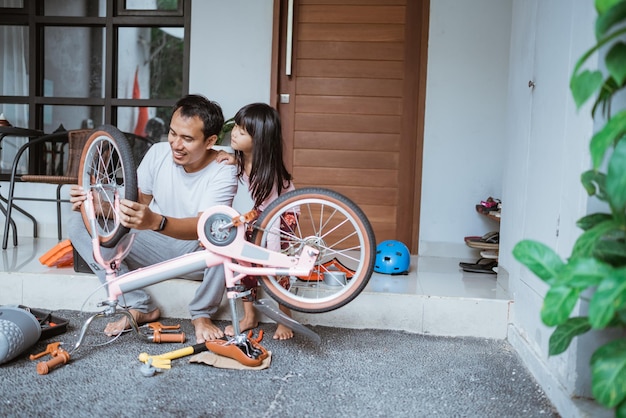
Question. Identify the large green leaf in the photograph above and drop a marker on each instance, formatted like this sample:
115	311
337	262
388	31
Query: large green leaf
611	252
616	176
606	137
620	318
539	258
582	273
594	183
584	85
603	5
620	410
563	335
558	304
608	373
608	89
608	349
616	62
614	15
589	221
609	297
586	242
593	50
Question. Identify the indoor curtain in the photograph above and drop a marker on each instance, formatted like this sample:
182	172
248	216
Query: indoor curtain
13	82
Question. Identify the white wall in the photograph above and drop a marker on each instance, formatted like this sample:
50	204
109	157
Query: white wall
546	150
464	132
231	51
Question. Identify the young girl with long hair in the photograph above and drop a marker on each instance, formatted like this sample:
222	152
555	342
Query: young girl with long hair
257	141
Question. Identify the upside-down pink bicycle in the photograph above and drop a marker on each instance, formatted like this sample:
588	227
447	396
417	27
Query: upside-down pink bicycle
331	234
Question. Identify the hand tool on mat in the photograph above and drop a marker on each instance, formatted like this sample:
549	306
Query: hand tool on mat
59	357
163	361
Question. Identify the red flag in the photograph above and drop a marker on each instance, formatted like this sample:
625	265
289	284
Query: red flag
142	117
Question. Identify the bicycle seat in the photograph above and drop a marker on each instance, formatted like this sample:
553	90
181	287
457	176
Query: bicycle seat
246	351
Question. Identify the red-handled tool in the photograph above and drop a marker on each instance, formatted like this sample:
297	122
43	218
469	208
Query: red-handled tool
59	357
163	333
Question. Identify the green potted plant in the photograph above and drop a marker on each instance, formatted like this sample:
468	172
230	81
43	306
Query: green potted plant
597	265
226	128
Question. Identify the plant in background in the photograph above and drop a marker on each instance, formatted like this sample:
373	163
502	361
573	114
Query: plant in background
226	128
597	264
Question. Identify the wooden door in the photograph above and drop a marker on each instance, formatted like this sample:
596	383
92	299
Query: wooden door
353	106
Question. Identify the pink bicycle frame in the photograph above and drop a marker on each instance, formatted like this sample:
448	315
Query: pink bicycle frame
239	258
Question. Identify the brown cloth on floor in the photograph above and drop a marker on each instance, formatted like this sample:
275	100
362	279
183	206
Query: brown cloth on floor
221	362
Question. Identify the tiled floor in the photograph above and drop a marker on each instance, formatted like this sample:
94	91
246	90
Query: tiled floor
436	297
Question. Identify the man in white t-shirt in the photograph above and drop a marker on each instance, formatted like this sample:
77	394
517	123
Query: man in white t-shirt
177	181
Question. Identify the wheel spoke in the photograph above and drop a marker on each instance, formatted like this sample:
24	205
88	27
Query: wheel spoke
106	164
335	227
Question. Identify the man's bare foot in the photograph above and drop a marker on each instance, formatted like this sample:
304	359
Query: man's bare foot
115	328
283	333
244	325
206	330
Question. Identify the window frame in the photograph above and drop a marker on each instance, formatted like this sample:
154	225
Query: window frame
123	11
31	16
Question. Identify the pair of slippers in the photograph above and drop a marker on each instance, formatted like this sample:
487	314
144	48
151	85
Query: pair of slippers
489	241
482	265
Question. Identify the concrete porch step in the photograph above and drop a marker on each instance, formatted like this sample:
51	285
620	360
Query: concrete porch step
388	302
436	297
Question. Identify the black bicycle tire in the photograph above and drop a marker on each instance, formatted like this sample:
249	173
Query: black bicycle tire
111	134
275	291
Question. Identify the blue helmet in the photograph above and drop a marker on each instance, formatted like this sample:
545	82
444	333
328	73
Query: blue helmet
392	257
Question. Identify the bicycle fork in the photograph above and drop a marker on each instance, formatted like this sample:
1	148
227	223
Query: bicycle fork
265	306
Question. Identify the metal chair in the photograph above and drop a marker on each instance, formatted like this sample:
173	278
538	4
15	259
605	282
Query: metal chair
75	140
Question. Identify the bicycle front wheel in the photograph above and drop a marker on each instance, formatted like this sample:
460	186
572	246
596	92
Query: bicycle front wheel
334	225
107	170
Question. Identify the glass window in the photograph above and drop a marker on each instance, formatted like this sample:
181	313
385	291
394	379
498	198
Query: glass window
95	62
73	58
79	8
71	117
12	3
151	122
172	7
16	116
150	63
14	62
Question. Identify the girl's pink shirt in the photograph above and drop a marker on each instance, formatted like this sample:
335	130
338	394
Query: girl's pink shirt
273	241
273	196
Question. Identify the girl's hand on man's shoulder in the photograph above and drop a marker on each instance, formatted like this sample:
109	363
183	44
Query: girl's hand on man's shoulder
225	157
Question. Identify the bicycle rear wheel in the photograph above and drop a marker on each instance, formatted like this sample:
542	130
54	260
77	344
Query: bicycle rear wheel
107	169
331	223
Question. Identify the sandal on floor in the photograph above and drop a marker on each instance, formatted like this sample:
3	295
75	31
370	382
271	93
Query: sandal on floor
481	267
489	241
480	262
490	237
492	254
